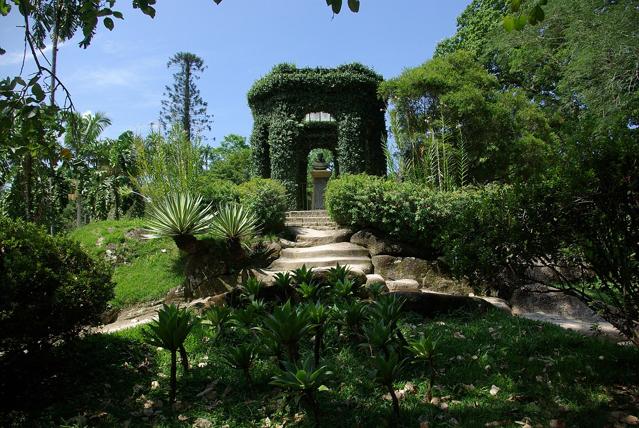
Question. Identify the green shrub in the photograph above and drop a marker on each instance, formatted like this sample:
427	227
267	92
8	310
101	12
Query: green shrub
217	192
266	198
49	288
404	211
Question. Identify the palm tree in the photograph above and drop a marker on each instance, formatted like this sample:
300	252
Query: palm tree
82	131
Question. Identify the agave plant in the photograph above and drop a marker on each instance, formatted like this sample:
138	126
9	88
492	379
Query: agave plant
305	381
423	350
318	314
169	331
236	226
376	289
241	357
303	274
287	326
387	369
245	319
178	216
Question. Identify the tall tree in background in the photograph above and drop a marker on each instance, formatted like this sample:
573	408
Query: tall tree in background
183	103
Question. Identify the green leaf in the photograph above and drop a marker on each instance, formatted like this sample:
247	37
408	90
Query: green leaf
108	22
5	8
520	22
105	12
37	92
217	1
353	5
515	5
118	15
509	23
536	15
336	5
323	388
2	51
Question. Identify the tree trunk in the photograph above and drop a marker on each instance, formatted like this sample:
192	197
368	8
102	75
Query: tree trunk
78	205
116	200
173	385
54	50
395	416
186	119
184	358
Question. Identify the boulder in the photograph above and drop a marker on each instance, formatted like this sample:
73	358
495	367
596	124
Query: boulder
377	244
374	278
394	268
436	281
205	303
430	303
538	298
407	285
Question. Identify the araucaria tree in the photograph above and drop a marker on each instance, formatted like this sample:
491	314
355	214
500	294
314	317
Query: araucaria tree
183	103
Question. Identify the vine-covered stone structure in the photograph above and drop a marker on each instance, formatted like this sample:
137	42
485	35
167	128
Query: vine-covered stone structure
286	105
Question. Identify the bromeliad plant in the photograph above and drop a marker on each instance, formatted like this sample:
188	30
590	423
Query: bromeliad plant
170	331
388	308
303	275
353	316
250	289
287	325
217	319
338	273
310	291
304	381
241	357
318	315
181	217
379	336
423	350
387	369
283	284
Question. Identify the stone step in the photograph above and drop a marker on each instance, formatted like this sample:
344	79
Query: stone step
283	264
310	213
309	224
341	249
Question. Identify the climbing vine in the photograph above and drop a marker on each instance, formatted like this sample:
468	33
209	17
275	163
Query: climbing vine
282	139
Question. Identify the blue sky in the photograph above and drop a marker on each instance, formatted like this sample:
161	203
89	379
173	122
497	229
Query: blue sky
123	72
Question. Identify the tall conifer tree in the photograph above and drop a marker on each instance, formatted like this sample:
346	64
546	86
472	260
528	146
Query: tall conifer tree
183	103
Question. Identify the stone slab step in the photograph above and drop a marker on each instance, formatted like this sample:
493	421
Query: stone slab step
310	224
311	213
362	263
340	249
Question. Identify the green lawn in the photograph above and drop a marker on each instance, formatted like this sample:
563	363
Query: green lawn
144	270
542	372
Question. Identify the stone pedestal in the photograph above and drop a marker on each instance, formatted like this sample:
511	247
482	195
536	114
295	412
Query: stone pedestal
320	181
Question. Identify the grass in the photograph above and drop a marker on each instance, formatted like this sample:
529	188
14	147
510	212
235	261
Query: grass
542	373
144	269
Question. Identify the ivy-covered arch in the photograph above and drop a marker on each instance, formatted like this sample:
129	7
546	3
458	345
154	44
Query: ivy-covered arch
282	138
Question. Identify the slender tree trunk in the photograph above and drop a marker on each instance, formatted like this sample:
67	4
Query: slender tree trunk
54	51
395	418
173	385
186	119
184	358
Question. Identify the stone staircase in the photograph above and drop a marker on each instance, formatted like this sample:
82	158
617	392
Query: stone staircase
314	219
319	244
327	255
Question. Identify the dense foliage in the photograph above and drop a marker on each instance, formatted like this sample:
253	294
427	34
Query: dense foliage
266	199
49	288
282	138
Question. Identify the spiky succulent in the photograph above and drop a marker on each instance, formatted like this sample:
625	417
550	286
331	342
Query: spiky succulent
234	224
177	215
